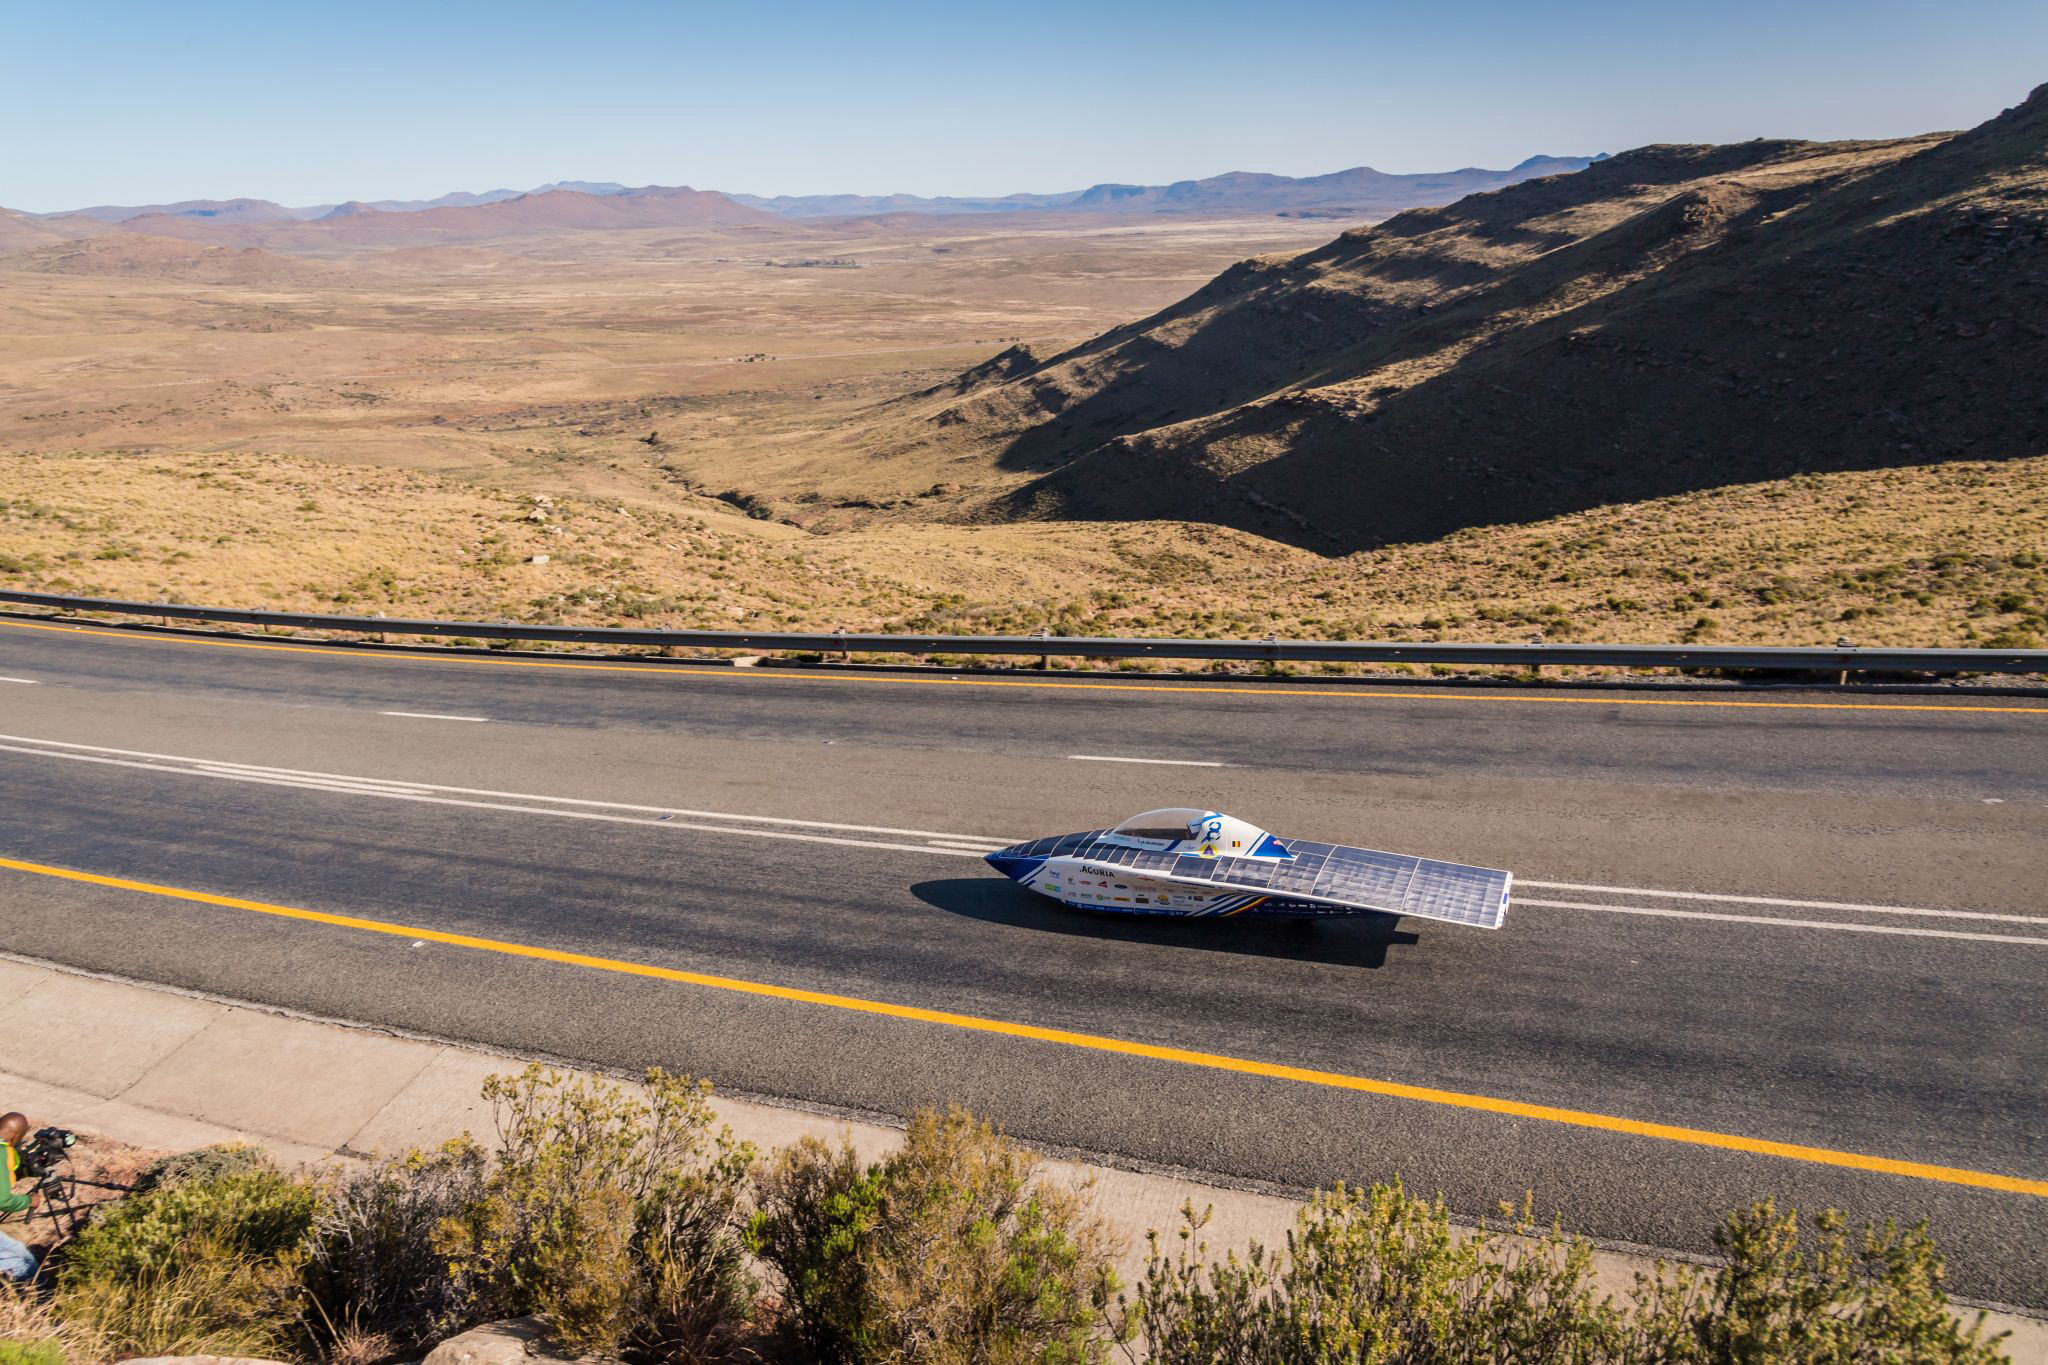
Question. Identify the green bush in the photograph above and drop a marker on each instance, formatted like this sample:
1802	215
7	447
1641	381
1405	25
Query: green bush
1878	1299
696	1292
205	1261
816	1211
951	1250
256	1211
615	1217
1373	1275
31	1353
1378	1276
620	1216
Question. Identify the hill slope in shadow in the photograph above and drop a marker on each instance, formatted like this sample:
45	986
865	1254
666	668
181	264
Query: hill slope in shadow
1671	319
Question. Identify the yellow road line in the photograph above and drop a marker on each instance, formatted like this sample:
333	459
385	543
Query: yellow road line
1090	1042
759	675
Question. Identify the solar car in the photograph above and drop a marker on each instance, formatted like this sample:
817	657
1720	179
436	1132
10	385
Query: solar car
1203	863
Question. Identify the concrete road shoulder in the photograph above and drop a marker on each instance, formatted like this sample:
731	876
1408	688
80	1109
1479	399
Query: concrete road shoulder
162	1068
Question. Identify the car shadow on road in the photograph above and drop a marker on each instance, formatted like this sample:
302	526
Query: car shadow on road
1352	941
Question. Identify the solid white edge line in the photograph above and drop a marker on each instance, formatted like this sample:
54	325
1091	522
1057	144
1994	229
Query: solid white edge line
258	771
1787	904
340	790
1901	930
1165	762
25	682
518	796
309	783
429	715
287	772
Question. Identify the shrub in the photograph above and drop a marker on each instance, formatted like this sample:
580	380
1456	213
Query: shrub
206	1260
44	1352
949	1250
1374	1275
1880	1299
1378	1276
374	1272
205	1163
817	1208
696	1289
256	1212
613	1216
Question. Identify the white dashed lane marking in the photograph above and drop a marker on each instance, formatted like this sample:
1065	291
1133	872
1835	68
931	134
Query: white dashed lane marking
1168	762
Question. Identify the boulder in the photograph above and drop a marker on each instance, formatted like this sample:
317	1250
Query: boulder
516	1341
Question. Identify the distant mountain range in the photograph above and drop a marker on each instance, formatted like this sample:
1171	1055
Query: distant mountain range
1359	191
1361	188
264	211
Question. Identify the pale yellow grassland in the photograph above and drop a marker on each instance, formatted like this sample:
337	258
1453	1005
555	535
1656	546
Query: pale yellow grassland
1938	555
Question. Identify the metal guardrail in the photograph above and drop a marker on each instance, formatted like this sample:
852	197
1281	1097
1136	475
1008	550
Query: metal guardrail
1840	660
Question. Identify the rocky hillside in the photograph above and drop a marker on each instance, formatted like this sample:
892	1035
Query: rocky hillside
1674	318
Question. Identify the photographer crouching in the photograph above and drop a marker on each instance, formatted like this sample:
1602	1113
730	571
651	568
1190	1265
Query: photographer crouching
17	1262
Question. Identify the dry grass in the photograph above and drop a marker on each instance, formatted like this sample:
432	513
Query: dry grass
213	1301
1937	555
28	1321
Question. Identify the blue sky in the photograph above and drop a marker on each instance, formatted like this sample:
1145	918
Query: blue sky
307	103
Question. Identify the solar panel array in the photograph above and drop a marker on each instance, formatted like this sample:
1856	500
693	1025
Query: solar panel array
1392	882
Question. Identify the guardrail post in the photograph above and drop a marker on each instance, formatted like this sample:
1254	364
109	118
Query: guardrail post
1044	660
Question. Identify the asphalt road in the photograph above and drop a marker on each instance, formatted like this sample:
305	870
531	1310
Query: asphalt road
1786	920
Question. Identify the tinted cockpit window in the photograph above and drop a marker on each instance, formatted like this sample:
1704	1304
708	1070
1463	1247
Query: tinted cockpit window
1172	823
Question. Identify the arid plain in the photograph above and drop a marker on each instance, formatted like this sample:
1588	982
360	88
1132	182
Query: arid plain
684	426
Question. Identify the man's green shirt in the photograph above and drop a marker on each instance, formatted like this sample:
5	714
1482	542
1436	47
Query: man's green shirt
10	1202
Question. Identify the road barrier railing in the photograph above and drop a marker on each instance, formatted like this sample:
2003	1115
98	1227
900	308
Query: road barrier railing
1841	659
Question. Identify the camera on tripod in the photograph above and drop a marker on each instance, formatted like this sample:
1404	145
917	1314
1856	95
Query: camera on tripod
40	1155
45	1158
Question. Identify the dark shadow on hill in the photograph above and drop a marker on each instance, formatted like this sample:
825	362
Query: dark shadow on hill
1264	324
1349	942
1870	320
